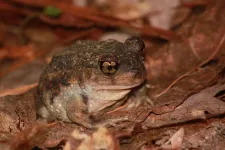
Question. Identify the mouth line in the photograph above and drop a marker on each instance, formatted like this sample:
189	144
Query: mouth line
117	87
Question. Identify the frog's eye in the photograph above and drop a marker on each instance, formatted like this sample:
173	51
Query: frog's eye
109	67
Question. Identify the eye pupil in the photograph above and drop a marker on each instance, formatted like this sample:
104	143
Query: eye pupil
109	67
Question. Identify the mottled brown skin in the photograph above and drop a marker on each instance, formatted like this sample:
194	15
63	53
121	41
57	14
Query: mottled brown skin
88	77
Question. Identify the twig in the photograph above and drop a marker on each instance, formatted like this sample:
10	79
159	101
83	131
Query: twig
195	3
79	35
200	65
173	83
117	109
18	90
51	124
215	52
102	19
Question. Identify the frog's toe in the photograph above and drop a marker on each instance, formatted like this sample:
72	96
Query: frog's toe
139	101
149	101
134	104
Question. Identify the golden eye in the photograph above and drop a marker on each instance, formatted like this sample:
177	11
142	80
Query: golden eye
109	67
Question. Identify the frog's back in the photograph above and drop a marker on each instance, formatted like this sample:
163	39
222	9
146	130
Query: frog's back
72	62
81	55
73	57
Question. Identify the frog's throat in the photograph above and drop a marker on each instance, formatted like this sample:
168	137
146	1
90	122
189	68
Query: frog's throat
99	99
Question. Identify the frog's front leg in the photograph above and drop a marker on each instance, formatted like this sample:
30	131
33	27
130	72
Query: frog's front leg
139	97
77	111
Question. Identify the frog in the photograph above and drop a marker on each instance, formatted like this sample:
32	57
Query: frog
89	79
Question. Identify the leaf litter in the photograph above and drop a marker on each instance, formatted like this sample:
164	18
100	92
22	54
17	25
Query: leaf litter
185	76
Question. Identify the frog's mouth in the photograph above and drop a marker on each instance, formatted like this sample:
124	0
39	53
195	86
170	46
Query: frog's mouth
117	87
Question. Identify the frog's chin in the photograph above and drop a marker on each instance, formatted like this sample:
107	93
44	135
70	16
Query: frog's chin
100	99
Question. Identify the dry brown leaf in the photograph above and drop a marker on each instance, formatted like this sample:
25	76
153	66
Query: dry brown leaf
100	139
18	90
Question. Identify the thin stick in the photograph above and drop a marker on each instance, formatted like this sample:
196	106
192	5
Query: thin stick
119	108
200	65
18	90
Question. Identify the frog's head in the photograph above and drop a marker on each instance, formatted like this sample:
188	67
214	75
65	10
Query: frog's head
114	69
117	66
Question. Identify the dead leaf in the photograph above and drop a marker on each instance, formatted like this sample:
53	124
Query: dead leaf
100	139
18	90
